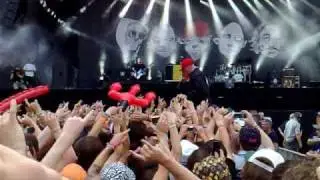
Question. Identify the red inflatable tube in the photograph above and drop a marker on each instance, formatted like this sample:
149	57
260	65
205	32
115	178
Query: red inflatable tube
21	96
130	96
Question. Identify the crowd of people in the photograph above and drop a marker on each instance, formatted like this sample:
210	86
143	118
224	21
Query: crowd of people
167	140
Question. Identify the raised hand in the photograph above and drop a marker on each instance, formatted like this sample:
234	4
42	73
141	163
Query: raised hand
113	110
74	126
51	121
184	129
162	124
91	117
201	133
119	138
26	120
11	133
98	105
249	119
63	111
161	103
159	153
171	118
139	117
189	105
76	109
176	106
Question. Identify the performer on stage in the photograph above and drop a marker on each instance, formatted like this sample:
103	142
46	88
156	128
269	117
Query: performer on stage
198	88
139	70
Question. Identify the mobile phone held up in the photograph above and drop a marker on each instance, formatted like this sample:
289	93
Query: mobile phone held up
239	118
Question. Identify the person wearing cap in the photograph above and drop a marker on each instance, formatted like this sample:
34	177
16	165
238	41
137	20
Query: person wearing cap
199	87
292	133
261	165
266	126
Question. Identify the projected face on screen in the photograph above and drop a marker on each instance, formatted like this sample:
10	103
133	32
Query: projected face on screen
130	34
231	40
197	46
163	41
267	40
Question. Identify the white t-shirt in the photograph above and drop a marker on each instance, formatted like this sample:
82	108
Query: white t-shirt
29	70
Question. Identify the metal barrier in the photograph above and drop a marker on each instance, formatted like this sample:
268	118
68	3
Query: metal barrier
291	155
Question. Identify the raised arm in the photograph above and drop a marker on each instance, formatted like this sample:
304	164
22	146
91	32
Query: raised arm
224	135
174	135
266	142
71	130
15	166
161	154
11	133
99	162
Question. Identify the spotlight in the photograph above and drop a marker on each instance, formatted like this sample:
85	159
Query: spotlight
204	59
258	5
146	16
242	19
288	19
102	61
173	58
108	10
165	16
303	46
253	9
125	9
313	7
216	19
150	6
260	60
190	27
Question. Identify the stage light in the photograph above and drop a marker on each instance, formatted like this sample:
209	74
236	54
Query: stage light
190	26
150	6
222	11
173	58
253	9
289	4
165	15
102	61
288	19
216	19
125	57
313	7
110	7
260	60
85	8
146	16
203	59
242	19
125	9
234	54
258	5
302	46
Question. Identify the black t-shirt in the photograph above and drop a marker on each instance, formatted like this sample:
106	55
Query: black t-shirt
273	136
199	88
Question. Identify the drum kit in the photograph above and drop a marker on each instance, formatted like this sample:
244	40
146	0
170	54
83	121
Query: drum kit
238	73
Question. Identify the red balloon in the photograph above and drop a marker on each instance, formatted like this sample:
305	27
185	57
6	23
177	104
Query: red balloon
21	96
135	89
115	94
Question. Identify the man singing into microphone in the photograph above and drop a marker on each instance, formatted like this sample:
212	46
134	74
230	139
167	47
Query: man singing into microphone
198	87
